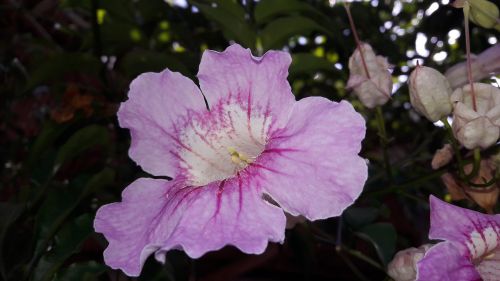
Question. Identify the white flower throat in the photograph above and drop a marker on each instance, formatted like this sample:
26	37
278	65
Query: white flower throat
221	143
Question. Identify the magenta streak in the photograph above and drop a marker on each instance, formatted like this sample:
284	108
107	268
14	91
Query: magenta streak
266	115
184	196
178	157
195	153
204	139
240	194
267	168
280	150
220	190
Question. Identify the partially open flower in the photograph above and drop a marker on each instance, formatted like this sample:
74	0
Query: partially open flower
477	127
430	93
369	77
471	246
403	266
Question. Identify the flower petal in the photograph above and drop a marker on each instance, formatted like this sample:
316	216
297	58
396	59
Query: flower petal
455	224
260	83
128	225
312	167
157	215
444	262
157	102
229	212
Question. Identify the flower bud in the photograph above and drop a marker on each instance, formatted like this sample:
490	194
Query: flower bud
430	93
442	157
476	127
372	88
403	266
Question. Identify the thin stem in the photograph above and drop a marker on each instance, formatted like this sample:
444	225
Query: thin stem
411	183
356	38
455	146
353	267
383	141
476	166
467	50
363	257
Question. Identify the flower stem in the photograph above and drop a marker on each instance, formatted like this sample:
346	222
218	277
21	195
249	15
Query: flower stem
356	38
382	133
476	164
455	146
467	50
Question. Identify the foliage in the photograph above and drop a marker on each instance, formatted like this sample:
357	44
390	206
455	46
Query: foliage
66	66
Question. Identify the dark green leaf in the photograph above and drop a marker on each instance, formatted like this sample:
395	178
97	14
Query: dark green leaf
231	18
358	217
57	66
80	141
277	33
140	61
9	212
67	242
269	9
81	272
305	63
383	237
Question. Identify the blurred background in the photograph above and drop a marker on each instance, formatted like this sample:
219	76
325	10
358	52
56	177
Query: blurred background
65	65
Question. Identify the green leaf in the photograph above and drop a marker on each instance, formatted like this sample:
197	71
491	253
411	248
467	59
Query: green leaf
277	33
230	17
358	217
269	9
383	237
305	63
56	67
59	205
50	132
9	212
81	272
140	61
80	141
67	242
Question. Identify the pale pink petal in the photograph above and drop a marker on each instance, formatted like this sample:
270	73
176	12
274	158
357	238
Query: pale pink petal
156	216
444	262
130	225
259	83
229	212
452	223
312	167
157	103
489	267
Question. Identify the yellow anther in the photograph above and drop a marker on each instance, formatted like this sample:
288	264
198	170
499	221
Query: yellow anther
237	157
231	150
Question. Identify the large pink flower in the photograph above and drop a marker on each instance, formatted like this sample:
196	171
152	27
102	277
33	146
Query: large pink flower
256	145
471	250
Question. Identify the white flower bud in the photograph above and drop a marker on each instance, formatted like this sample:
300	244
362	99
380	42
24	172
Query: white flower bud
403	266
430	93
372	89
479	127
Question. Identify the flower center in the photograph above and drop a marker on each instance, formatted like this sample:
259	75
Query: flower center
217	145
483	244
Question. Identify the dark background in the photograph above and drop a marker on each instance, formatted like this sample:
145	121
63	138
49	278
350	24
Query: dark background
66	65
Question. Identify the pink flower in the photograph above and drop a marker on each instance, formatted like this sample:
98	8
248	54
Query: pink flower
471	250
255	143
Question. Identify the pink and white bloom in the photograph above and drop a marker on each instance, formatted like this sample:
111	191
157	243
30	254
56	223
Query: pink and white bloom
471	247
256	145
